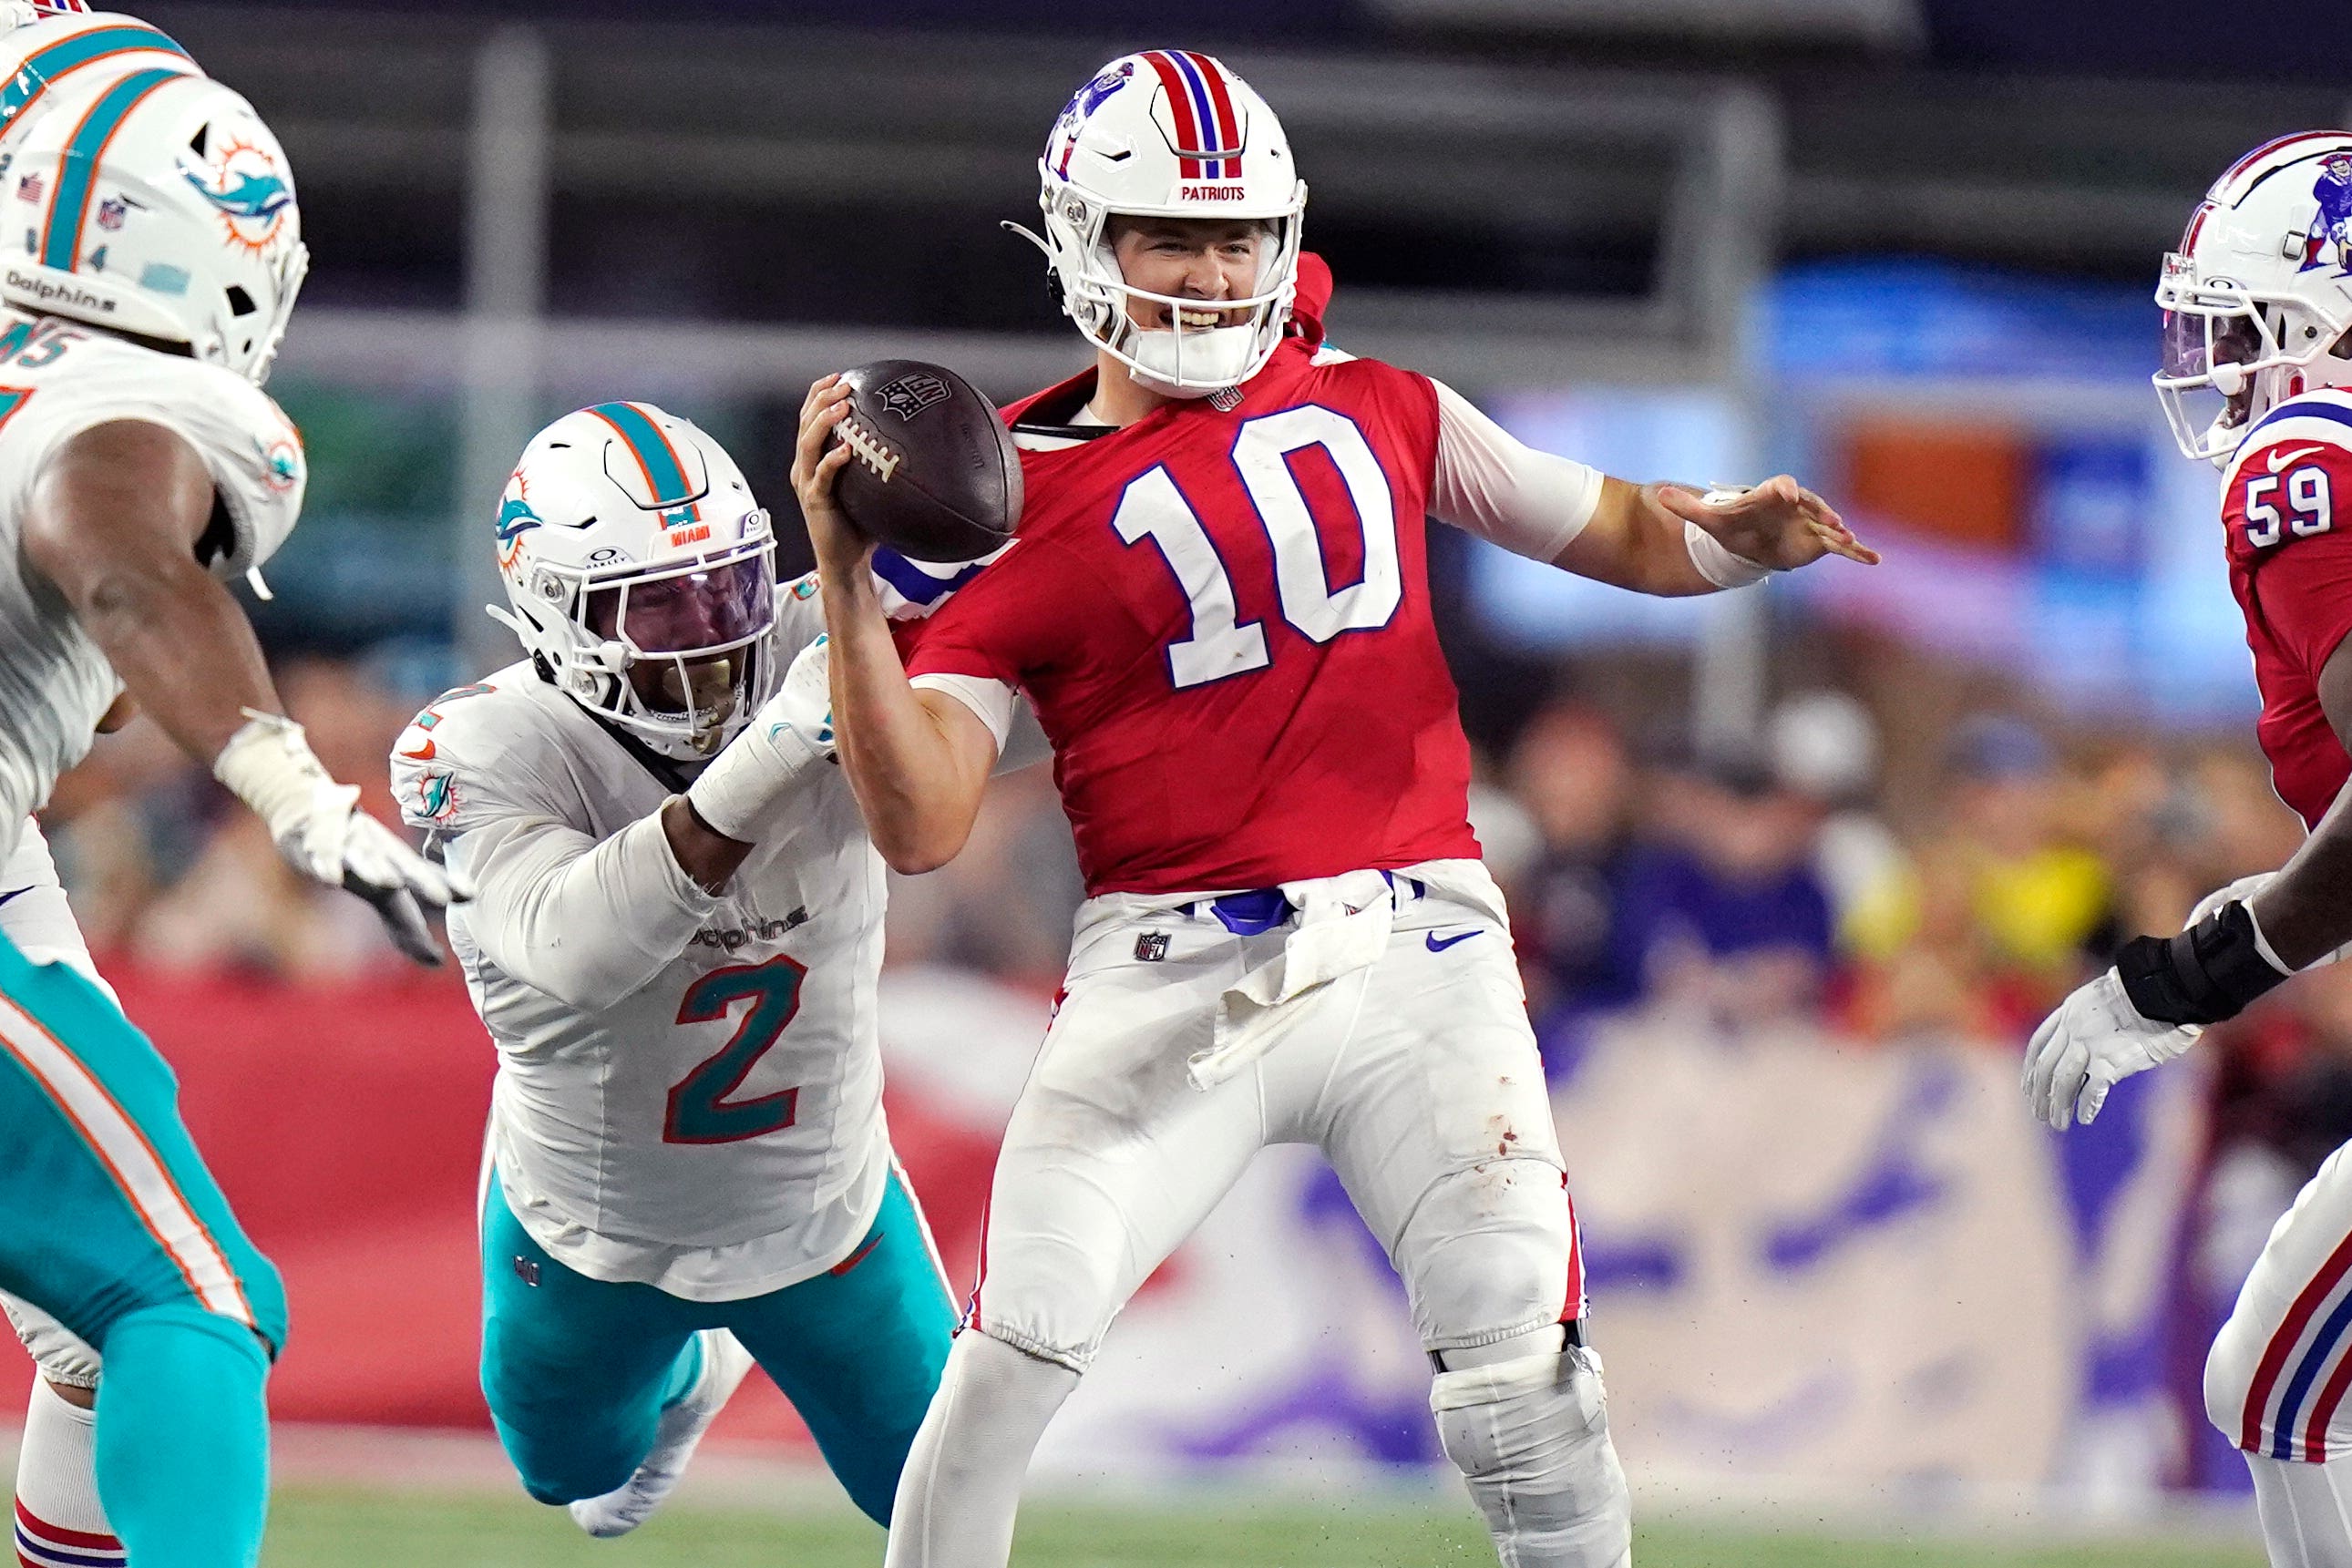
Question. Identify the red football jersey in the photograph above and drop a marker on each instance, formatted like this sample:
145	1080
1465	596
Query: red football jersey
1221	617
2284	494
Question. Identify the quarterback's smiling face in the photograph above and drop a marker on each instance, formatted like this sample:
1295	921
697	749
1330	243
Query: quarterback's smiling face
1188	258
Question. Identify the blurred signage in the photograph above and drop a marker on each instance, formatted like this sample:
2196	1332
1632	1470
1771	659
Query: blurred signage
1994	434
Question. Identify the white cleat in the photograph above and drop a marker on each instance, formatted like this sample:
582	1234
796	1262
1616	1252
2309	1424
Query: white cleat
629	1505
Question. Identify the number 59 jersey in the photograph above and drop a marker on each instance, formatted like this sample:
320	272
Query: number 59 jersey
2286	510
689	1091
1221	616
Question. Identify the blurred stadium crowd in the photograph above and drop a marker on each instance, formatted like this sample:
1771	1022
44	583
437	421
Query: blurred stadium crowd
1811	882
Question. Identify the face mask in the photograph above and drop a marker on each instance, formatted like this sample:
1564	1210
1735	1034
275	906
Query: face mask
1194	361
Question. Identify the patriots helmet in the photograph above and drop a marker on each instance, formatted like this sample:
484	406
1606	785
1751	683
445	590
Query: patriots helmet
1170	133
2258	299
640	574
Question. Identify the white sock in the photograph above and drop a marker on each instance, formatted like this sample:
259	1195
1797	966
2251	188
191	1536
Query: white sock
59	1522
963	1482
2305	1509
1532	1437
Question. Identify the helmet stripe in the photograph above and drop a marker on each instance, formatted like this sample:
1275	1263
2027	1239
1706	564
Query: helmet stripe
1180	99
1229	125
44	68
2274	145
77	169
656	458
1201	114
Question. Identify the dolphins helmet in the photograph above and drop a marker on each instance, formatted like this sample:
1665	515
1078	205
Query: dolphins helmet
157	204
51	49
641	574
1170	133
2258	300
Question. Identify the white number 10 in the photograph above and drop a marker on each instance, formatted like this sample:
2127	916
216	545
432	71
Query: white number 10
1220	643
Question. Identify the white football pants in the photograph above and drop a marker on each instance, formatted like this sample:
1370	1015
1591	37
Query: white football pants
1382	1021
2276	1377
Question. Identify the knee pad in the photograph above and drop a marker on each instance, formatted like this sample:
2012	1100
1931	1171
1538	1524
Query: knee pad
1489	1254
61	1354
1531	1438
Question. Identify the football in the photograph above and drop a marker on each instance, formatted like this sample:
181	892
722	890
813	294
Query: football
932	473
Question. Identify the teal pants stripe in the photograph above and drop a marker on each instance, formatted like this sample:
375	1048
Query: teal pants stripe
72	1241
183	1458
575	1368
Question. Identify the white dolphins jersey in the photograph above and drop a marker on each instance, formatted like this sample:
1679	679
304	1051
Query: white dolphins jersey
57	379
689	1087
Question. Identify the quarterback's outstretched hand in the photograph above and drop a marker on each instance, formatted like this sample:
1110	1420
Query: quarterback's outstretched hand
318	827
841	549
2096	1040
1778	524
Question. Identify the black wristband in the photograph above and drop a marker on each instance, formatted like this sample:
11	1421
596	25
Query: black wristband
2206	974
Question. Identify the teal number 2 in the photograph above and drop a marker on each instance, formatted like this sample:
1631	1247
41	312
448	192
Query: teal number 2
699	1110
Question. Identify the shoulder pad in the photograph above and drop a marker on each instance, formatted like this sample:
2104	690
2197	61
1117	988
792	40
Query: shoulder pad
2321	420
472	753
74	379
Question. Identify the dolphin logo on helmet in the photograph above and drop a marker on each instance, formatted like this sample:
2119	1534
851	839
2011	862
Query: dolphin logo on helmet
640	574
210	254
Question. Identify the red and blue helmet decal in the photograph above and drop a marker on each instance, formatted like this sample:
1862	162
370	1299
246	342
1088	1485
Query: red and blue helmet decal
1208	125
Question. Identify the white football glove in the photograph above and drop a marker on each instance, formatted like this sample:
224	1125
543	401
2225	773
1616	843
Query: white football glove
320	829
2094	1040
791	733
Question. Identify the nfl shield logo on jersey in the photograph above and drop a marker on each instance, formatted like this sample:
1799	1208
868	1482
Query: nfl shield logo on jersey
1151	947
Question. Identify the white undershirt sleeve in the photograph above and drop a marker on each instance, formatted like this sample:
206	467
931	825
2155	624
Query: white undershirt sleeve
990	699
587	923
1491	484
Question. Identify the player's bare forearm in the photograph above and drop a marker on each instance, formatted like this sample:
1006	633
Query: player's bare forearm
113	526
916	761
2306	911
1640	536
701	850
1633	542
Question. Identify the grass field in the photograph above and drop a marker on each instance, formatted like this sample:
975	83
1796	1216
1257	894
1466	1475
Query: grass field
315	1527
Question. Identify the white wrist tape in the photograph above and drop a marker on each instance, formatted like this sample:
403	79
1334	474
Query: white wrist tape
269	765
736	792
1718	565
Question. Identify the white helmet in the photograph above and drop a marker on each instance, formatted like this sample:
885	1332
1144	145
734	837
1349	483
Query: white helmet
1169	133
2258	299
155	204
627	538
49	50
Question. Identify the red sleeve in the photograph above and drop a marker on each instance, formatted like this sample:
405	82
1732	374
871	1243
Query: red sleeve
2305	592
992	627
